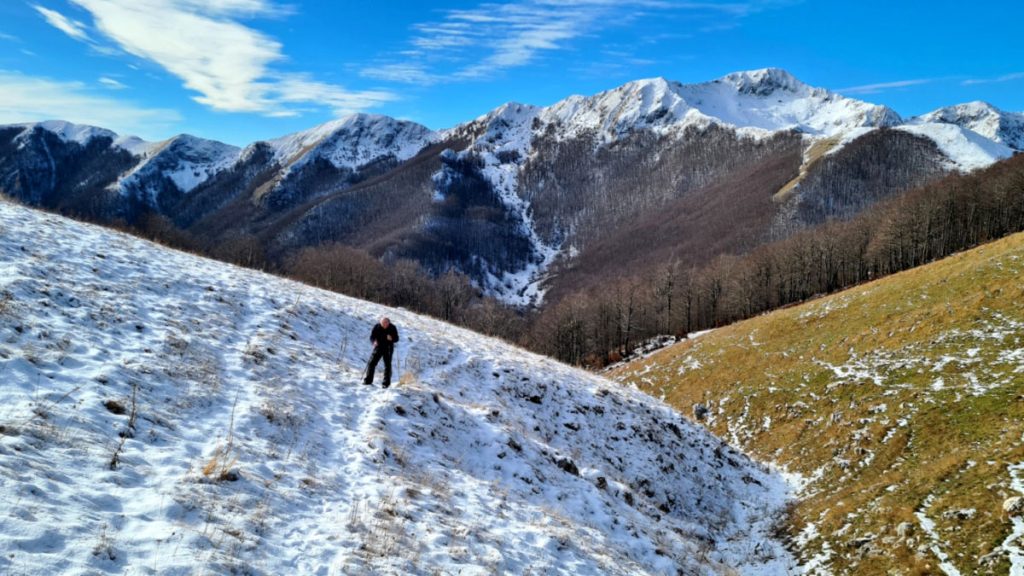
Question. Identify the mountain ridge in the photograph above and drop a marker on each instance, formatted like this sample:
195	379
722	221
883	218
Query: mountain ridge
548	180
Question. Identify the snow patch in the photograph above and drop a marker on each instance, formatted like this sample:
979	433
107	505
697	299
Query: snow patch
928	525
1012	544
965	149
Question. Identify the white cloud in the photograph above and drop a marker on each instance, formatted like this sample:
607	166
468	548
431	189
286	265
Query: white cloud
111	83
9	37
883	86
996	80
407	73
72	28
229	65
492	37
31	99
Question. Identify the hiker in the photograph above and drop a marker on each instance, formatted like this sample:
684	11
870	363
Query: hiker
384	335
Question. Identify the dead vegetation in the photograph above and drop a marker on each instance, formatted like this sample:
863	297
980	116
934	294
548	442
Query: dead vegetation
890	395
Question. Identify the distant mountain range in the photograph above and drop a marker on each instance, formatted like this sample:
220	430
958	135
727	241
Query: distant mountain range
526	200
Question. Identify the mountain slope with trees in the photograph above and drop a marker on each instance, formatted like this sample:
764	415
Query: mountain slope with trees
605	321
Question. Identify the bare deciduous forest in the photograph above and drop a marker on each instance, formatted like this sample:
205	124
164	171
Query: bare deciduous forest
603	324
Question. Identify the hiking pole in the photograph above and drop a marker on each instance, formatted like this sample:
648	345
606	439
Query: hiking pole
366	368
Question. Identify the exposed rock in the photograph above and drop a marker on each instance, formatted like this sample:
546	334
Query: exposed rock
959	515
905	530
1014	506
700	411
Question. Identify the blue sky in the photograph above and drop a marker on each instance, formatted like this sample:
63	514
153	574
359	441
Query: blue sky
242	70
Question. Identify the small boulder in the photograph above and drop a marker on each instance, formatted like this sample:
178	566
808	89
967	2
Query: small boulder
905	530
700	411
959	515
1014	506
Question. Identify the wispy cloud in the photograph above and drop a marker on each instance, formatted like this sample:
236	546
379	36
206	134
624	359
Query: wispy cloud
481	41
9	37
406	73
112	84
883	86
996	80
31	98
232	67
73	28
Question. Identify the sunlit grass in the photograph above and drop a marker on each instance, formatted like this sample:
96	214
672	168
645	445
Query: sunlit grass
887	393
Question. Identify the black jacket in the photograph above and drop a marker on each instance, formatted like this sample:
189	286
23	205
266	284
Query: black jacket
379	335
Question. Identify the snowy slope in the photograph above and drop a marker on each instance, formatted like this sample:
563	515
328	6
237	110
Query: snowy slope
764	100
82	134
967	150
162	413
504	140
188	161
994	124
353	141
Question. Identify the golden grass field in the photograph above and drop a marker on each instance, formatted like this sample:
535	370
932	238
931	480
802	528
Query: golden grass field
898	401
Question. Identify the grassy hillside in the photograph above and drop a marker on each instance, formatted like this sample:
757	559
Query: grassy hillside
899	402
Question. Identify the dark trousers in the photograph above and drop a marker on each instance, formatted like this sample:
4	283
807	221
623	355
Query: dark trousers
381	351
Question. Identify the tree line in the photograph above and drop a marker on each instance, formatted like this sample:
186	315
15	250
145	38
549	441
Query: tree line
602	325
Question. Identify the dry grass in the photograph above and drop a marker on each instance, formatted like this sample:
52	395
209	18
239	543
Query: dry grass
821	373
818	149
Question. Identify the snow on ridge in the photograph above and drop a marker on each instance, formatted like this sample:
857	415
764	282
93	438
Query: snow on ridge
981	117
187	160
758	101
967	150
168	412
82	134
756	104
353	141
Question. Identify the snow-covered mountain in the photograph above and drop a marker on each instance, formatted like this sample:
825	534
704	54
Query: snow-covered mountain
185	160
757	101
167	413
965	149
353	141
508	196
1005	128
82	135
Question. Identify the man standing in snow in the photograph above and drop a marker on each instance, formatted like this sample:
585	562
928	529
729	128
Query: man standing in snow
384	335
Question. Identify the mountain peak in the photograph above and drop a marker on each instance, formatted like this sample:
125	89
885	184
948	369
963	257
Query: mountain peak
354	140
981	117
82	134
71	132
763	82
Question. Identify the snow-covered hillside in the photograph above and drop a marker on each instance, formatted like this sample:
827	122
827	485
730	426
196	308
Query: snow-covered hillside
186	160
760	101
353	141
966	150
82	134
162	413
1003	127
